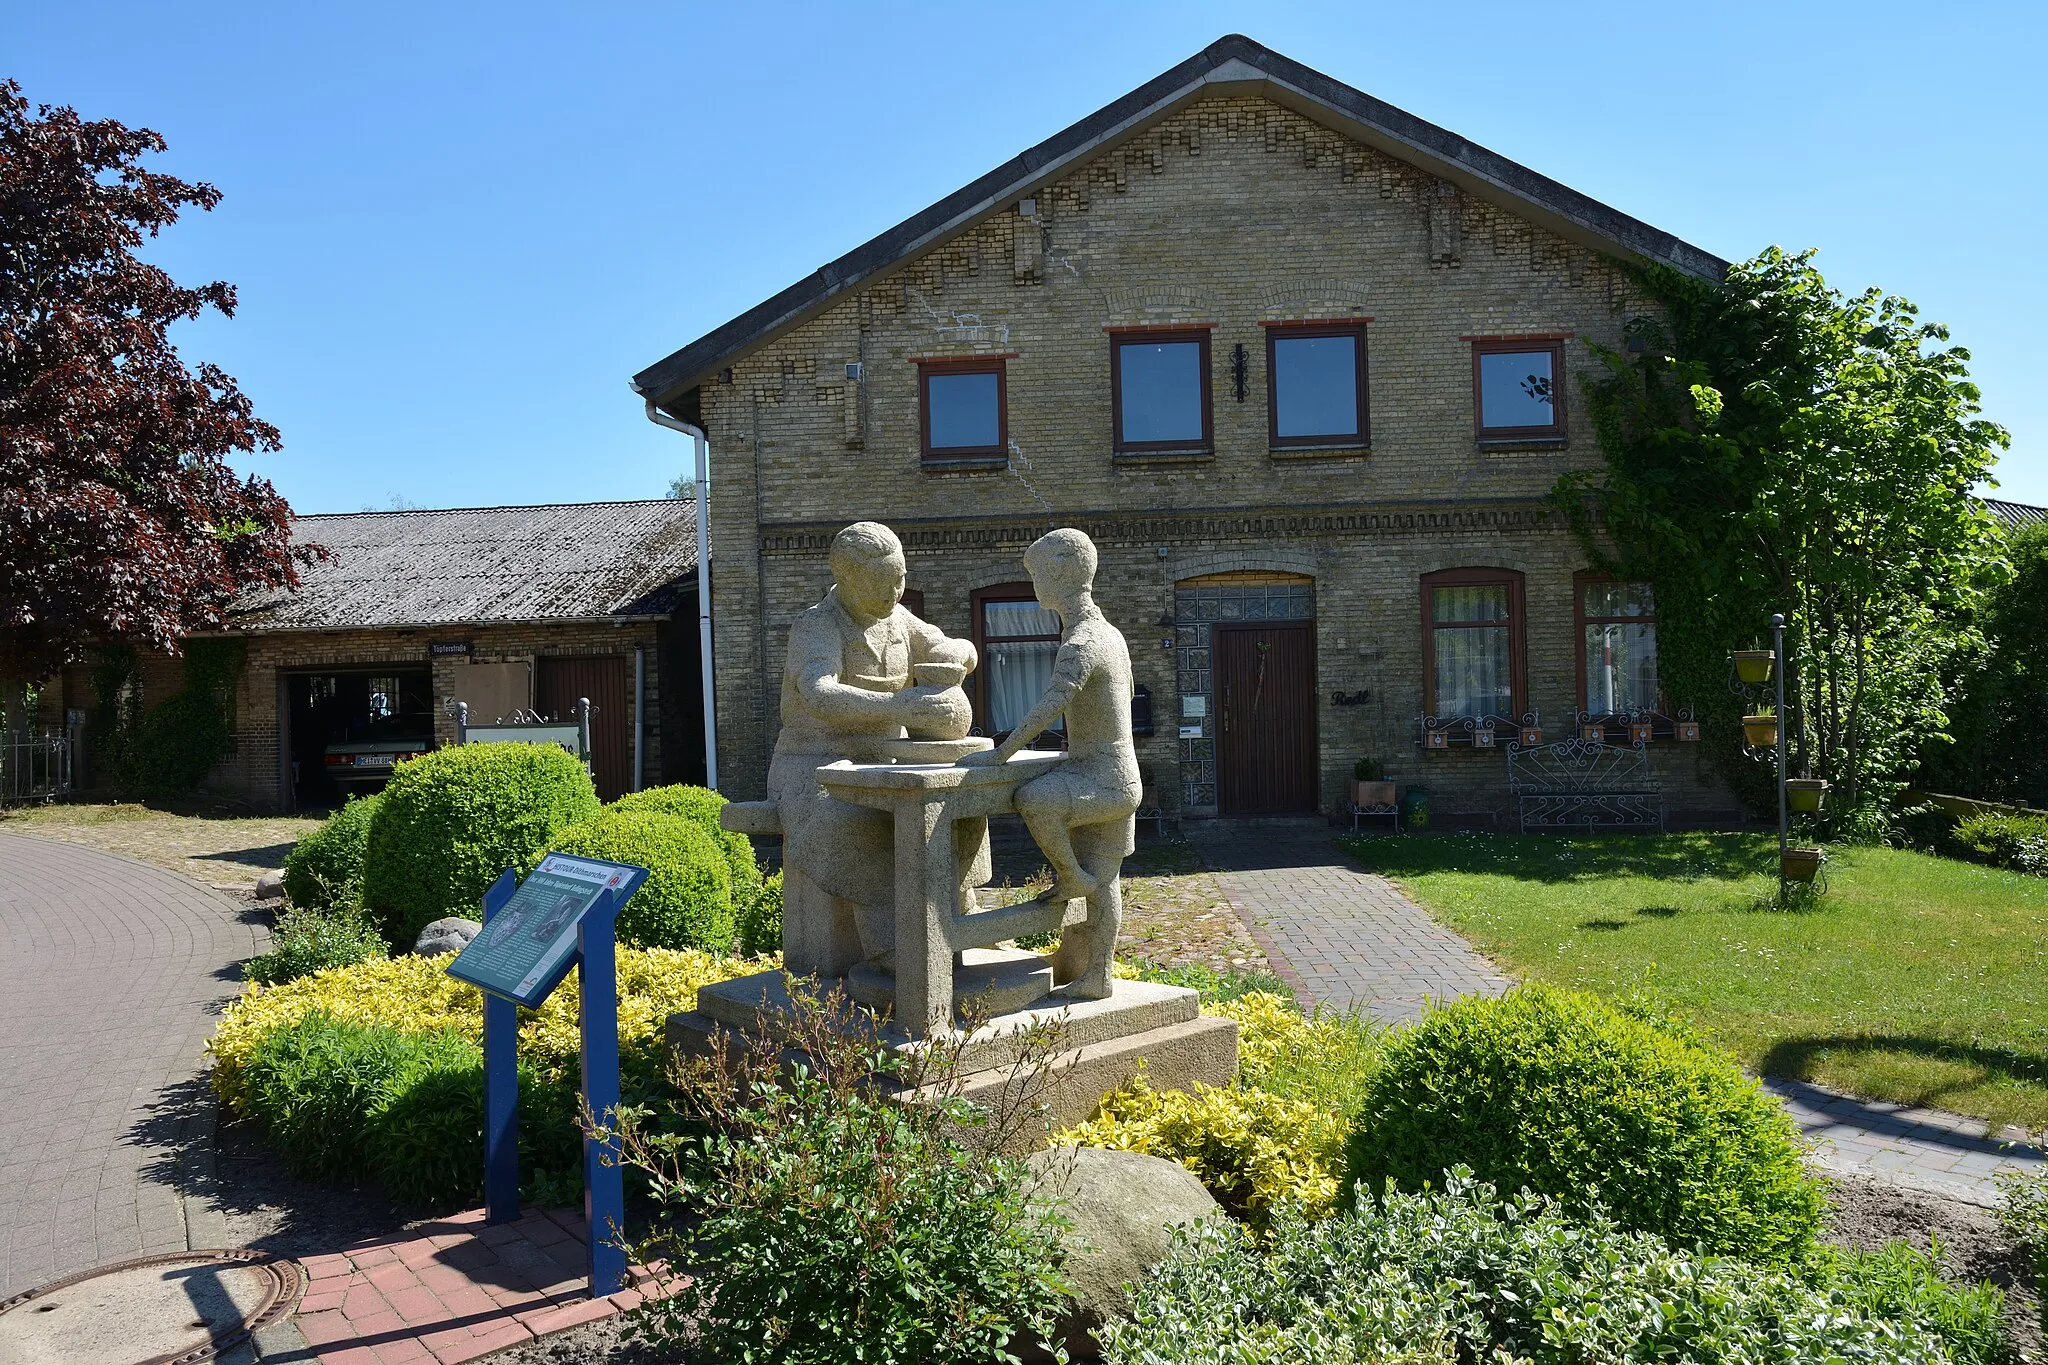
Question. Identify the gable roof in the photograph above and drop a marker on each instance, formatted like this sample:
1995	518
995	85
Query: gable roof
2014	515
484	565
1231	65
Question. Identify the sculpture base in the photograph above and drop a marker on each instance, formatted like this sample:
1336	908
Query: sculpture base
1102	1043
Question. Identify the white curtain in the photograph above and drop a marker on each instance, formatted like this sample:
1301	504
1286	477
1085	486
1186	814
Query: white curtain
1018	670
1621	668
1472	676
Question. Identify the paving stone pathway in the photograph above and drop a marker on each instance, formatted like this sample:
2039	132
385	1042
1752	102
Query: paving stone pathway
1344	937
111	974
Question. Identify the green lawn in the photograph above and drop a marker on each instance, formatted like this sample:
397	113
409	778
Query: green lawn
1918	978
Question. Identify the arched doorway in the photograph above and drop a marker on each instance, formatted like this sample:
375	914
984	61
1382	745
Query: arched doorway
1248	680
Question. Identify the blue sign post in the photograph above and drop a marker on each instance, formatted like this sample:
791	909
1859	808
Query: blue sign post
533	932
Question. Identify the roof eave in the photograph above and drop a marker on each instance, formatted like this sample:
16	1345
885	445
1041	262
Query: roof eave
1233	65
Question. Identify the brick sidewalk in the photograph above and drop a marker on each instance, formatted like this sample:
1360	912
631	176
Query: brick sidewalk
1921	1149
111	975
1340	936
447	1291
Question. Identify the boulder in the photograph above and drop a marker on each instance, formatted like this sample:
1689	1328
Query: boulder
450	935
270	886
1122	1208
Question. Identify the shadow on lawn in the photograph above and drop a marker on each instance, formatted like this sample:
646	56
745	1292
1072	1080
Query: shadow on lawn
1797	1058
1555	858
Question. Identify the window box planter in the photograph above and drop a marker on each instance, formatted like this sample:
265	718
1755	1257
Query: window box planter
1753	666
1801	864
1368	794
1806	794
1760	732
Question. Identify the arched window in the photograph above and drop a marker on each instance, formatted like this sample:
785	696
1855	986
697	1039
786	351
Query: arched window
1472	644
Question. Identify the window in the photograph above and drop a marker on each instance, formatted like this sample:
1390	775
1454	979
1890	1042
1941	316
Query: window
1518	388
1472	643
1617	647
964	409
1315	385
1159	392
1017	640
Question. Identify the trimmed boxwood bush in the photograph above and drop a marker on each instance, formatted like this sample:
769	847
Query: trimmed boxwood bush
451	821
326	864
700	806
687	899
1560	1093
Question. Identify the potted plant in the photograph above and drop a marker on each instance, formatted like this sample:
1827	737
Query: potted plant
1369	786
1753	666
1801	864
1806	794
1760	728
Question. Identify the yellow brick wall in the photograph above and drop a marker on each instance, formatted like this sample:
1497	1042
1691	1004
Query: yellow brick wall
1233	213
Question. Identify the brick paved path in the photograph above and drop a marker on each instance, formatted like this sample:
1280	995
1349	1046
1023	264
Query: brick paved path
1337	935
1344	937
111	972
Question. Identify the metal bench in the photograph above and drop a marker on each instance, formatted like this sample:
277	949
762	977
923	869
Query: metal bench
1582	784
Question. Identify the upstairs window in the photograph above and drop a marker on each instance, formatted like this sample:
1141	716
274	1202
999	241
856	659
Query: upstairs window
1315	385
964	409
1159	392
1018	641
1518	389
1472	643
1618	647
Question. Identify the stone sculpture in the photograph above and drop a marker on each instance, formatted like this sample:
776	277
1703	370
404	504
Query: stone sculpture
1081	811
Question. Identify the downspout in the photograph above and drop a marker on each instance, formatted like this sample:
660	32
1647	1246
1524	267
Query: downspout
703	447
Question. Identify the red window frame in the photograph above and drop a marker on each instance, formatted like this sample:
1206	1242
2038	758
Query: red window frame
995	365
1485	346
1280	331
1580	582
1119	337
980	597
1518	680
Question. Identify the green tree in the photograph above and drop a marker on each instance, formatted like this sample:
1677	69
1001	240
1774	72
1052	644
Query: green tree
2002	690
1772	444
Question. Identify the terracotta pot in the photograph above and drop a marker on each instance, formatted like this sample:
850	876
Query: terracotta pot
1760	732
1801	864
1806	794
1753	666
1372	793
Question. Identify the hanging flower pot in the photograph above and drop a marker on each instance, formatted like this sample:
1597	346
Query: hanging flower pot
1801	864
1760	732
1753	666
1806	795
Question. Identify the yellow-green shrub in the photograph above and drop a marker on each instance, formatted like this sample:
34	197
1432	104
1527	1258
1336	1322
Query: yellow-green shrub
416	995
1324	1057
1250	1148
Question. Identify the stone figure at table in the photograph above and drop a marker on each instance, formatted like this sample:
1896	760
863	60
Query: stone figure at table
1080	812
860	669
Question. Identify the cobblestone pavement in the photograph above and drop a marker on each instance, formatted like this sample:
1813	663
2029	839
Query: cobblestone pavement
1927	1150
111	972
1338	935
220	849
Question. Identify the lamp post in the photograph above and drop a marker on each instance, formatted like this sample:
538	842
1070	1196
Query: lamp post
1784	813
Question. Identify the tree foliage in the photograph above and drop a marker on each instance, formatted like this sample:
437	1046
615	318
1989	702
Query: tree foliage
2003	691
119	516
1774	445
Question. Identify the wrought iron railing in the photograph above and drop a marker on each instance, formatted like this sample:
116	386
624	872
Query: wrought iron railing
1584	784
37	765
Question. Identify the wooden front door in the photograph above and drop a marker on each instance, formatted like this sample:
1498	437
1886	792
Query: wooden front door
559	683
1265	690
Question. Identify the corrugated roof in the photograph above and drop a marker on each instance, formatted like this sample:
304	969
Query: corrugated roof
1233	64
2017	514
477	565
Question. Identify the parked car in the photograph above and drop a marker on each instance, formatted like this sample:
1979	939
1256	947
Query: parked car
372	750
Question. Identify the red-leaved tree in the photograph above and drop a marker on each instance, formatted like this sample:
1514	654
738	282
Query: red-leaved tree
120	519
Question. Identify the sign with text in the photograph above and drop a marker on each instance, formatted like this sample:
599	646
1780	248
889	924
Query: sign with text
528	946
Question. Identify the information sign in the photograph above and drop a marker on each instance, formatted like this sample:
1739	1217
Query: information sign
530	943
568	737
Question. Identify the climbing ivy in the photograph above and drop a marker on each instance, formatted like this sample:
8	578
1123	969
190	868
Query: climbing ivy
168	749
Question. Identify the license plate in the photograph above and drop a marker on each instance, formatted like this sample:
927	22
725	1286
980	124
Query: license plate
373	760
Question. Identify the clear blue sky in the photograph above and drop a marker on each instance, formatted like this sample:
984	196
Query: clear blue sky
458	229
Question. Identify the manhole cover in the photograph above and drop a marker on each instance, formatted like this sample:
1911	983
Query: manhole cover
154	1310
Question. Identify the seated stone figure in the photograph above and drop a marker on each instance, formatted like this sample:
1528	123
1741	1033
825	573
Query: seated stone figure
1081	811
849	679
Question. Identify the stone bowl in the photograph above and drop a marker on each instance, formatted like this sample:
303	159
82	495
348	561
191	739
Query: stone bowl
939	674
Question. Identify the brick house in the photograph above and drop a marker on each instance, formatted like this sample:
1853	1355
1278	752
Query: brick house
1303	365
506	608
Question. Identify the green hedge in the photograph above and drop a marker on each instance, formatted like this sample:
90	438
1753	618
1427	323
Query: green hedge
327	864
1557	1092
687	899
451	821
346	1100
2018	842
700	806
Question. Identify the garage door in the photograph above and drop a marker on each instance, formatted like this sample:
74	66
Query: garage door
558	683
